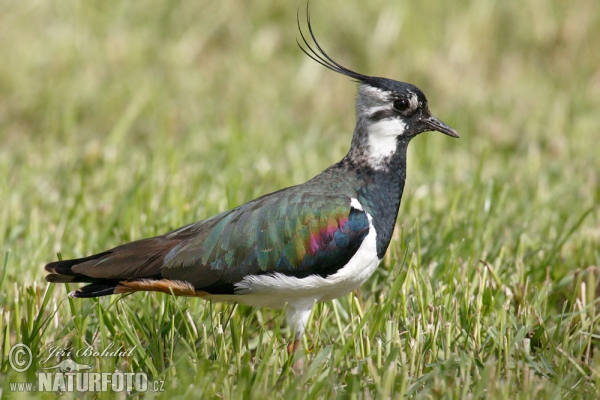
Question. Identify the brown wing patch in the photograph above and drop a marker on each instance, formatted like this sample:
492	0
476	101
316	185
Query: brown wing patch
177	288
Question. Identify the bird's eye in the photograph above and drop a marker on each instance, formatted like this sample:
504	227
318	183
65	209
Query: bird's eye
401	104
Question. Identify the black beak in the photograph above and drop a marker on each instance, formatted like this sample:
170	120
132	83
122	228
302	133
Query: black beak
431	123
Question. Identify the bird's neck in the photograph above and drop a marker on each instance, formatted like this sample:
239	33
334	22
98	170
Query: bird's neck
379	190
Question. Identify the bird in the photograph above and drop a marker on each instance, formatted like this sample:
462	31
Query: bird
292	248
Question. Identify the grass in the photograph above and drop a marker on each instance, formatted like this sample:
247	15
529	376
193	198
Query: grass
124	120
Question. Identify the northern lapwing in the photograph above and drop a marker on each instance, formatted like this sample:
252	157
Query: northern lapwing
303	244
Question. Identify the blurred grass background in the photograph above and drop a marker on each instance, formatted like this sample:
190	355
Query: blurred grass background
120	121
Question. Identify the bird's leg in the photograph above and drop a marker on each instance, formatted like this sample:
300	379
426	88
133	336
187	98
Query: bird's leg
297	317
297	341
293	344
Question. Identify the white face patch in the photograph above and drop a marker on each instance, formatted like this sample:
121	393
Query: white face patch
371	91
382	140
383	124
413	100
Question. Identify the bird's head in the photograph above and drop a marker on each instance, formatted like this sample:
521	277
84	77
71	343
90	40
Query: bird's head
389	113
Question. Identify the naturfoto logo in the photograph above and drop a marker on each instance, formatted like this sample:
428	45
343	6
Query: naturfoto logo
62	374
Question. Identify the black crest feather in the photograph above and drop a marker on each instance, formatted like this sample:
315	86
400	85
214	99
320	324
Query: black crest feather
320	56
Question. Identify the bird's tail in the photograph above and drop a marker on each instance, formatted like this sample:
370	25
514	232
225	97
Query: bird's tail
62	272
132	267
